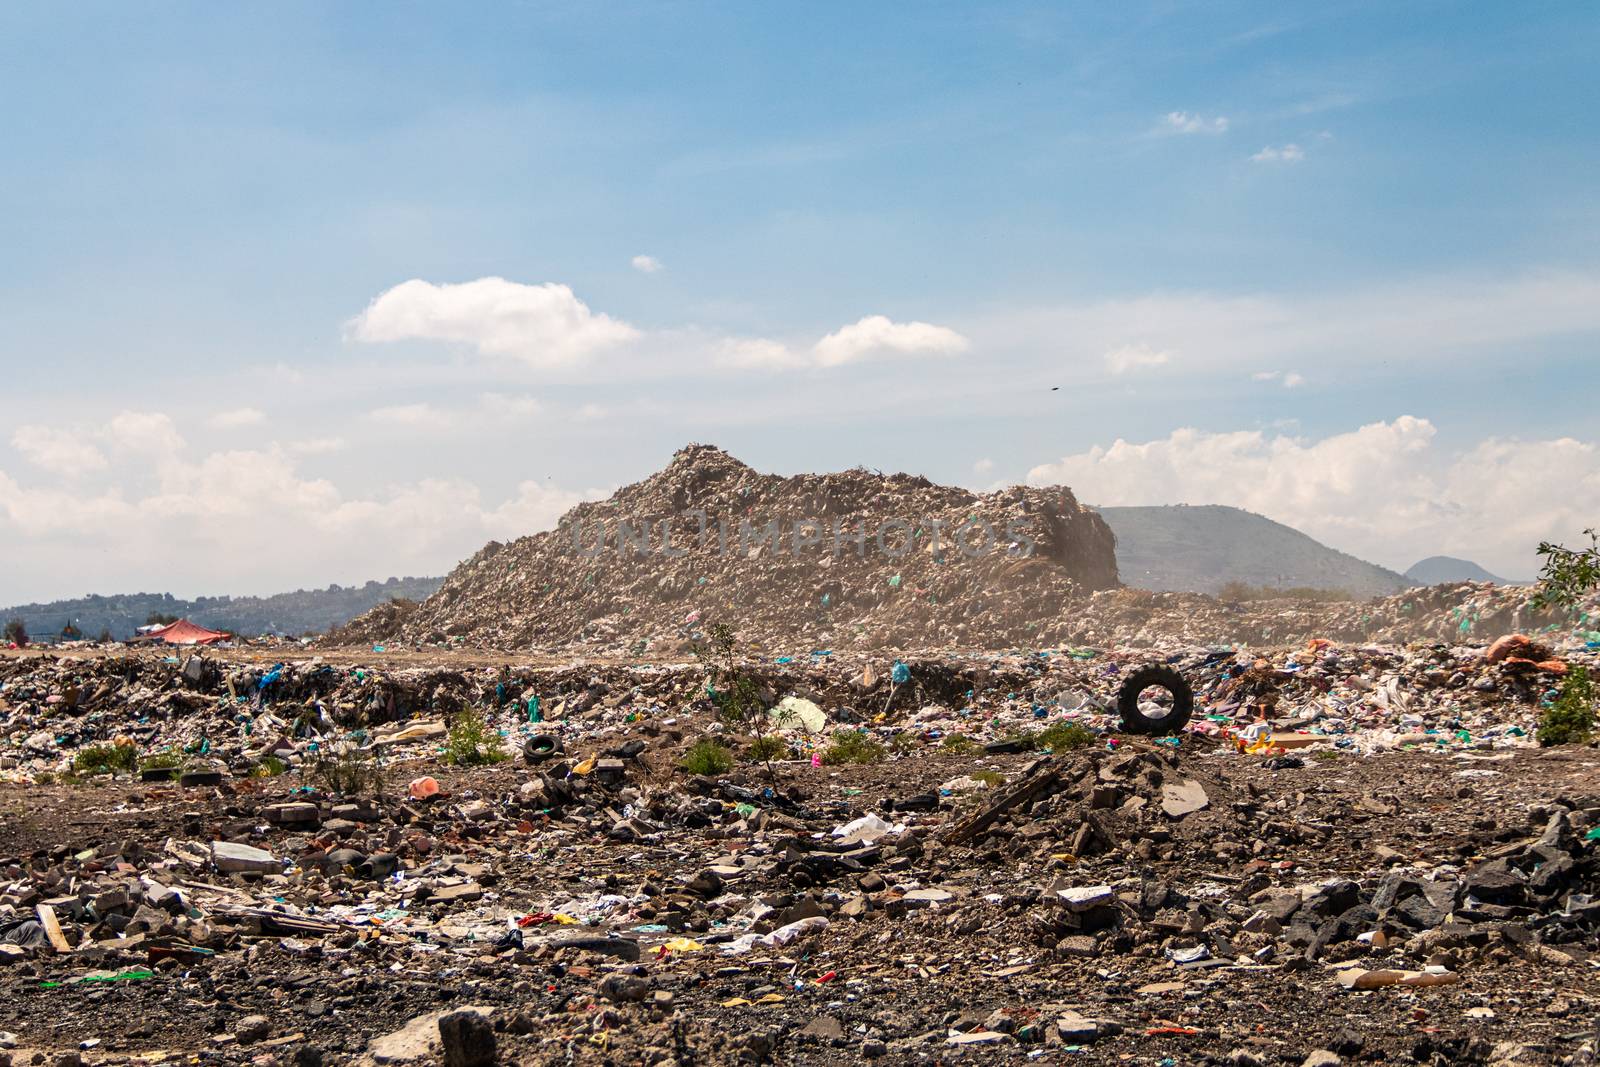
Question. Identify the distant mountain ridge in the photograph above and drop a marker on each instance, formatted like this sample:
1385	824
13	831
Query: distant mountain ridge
302	611
1436	570
1201	548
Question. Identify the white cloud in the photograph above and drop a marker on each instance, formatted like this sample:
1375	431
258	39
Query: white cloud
60	452
148	433
316	446
1289	379
237	418
1184	122
1289	153
411	416
506	405
591	412
249	521
646	264
983	466
1385	492
1293	380
541	325
753	352
875	335
1122	359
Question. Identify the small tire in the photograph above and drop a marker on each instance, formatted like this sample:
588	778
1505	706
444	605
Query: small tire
1158	675
541	747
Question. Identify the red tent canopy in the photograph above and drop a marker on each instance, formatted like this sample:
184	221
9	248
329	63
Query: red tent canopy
184	632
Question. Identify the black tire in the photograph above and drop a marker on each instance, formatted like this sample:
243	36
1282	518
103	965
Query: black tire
1161	676
540	747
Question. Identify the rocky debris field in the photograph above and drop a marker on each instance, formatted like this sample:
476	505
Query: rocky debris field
1144	904
1352	854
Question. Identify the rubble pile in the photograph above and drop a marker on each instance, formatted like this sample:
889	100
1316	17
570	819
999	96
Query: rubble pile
914	579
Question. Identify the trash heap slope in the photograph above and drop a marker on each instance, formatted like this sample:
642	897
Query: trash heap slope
546	591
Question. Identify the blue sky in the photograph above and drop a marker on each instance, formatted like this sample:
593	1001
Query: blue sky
1270	226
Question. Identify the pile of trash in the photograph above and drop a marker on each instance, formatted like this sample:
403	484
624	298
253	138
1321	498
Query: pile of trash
855	559
605	907
1463	613
216	713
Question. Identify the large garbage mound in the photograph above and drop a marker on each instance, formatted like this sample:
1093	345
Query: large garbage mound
855	559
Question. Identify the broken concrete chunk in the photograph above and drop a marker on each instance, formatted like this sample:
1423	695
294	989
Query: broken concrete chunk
231	858
1083	898
1180	800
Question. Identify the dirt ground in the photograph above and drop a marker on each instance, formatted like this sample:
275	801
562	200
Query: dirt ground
901	982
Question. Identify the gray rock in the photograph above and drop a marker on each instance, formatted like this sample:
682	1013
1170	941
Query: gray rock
625	988
253	1028
231	858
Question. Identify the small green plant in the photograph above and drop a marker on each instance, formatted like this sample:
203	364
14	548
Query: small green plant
1569	719
905	742
992	779
768	748
268	767
345	767
165	760
959	744
473	743
1568	574
105	759
852	746
1064	737
708	757
66	777
732	692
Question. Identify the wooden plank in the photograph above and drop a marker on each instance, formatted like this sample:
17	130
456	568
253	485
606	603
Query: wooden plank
52	928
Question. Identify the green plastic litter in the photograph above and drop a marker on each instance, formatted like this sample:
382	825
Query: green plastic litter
133	974
1593	834
745	810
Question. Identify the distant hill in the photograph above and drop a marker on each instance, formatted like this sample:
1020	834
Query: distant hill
1436	570
1202	548
303	611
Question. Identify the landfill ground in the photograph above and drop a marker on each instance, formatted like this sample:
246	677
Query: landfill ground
1131	901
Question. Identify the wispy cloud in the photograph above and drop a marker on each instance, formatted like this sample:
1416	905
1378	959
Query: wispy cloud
646	264
1124	358
1288	379
236	419
1187	122
1289	153
411	416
